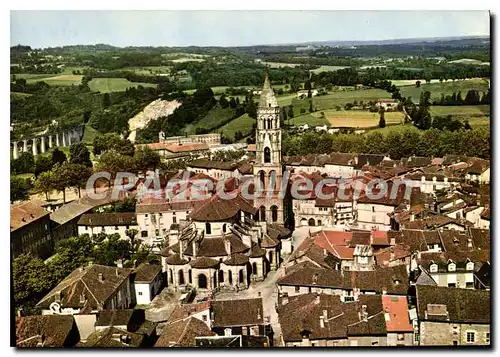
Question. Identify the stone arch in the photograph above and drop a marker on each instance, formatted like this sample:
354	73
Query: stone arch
241	277
230	277
224	227
202	281
273	180
190	276
311	222
262	179
262	213
221	276
208	228
181	277
215	279
267	155
171	276
274	213
254	268
303	222
271	256
319	222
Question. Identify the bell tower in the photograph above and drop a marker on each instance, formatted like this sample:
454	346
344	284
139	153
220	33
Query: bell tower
268	168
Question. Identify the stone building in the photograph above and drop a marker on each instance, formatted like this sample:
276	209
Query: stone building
268	168
221	246
451	316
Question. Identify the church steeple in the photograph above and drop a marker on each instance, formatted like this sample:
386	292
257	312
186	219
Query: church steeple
267	97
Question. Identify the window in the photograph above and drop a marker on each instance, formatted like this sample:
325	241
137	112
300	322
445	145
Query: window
455	343
470	266
452	267
297	289
174	219
434	268
116	228
471	337
161	214
140	292
146	215
452	285
227	332
469	285
144	234
401	336
208	228
487	338
348	298
374	343
204	317
267	155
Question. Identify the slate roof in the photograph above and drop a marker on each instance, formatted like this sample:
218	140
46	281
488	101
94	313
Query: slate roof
394	280
113	337
182	312
161	205
25	213
303	312
463	305
182	333
84	283
238	312
55	330
237	259
204	263
146	273
119	317
175	259
108	219
217	209
74	209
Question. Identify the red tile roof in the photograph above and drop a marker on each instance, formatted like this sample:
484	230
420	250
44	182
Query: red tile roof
24	213
397	319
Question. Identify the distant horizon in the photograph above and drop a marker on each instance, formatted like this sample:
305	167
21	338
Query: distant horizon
45	29
312	42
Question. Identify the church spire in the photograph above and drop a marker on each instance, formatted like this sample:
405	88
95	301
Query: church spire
267	98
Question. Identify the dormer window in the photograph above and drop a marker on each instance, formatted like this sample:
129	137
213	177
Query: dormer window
434	268
470	265
452	267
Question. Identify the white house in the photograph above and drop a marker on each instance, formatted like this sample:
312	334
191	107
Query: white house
148	282
108	223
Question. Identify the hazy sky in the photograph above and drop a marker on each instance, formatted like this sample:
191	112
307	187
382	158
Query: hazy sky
236	28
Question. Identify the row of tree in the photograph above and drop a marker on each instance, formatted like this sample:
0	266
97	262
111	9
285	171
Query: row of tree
473	97
430	143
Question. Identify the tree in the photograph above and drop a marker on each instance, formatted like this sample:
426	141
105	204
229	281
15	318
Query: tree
290	111
238	135
25	163
113	162
44	183
32	279
131	233
223	101
459	98
79	154
19	190
381	122
43	164
417	84
106	101
146	158
61	178
307	85
78	176
232	103
311	106
58	157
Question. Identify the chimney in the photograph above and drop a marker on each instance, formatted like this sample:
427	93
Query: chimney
100	277
364	313
322	321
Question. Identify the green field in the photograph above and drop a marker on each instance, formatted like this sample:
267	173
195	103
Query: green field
477	115
395	129
89	134
212	120
34	75
243	123
310	119
280	64
328	69
446	88
340	98
346	118
108	85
